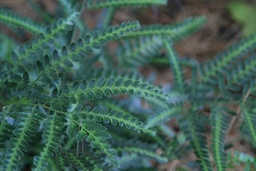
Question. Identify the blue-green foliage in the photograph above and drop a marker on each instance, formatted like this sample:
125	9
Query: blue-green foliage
70	99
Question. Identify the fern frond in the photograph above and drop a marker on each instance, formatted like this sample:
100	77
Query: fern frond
243	72
194	133
139	52
6	128
84	46
249	115
219	121
86	162
222	62
52	137
141	149
61	160
97	88
98	137
25	128
96	4
30	51
163	116
9	17
176	67
174	32
114	117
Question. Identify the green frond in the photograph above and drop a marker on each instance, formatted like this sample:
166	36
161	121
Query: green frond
113	117
134	54
219	122
98	137
85	162
195	135
9	17
141	149
249	114
243	72
26	126
61	160
96	4
82	47
6	128
223	61
174	31
175	66
33	50
52	137
97	88
162	116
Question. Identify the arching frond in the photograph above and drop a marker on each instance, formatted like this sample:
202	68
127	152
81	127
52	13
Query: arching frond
242	74
10	17
222	62
97	88
33	50
84	46
175	66
134	54
96	4
163	116
113	117
174	31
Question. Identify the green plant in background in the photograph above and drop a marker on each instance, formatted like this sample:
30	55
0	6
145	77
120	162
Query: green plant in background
244	14
71	101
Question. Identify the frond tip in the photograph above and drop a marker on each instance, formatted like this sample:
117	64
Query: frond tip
141	149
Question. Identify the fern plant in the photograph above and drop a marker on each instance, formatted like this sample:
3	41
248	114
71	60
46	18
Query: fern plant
72	101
